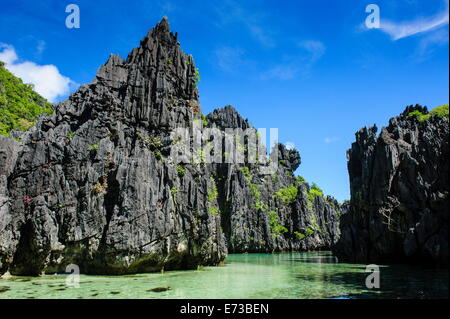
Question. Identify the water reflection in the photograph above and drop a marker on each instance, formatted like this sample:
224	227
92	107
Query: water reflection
289	275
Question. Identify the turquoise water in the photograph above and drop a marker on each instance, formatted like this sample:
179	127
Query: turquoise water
288	275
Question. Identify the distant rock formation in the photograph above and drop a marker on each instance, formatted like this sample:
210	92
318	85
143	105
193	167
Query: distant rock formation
95	184
271	212
399	183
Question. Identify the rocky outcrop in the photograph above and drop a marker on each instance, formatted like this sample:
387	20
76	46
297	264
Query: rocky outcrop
91	187
399	193
99	183
9	149
264	212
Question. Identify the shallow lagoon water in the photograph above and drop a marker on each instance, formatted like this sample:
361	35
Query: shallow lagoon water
287	275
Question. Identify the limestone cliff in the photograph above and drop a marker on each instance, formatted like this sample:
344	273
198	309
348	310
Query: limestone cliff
97	183
399	191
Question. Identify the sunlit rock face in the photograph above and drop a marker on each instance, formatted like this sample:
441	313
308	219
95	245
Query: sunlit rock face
271	211
96	185
399	193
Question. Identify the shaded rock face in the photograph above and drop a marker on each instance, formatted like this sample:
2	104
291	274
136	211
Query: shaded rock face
9	150
95	184
399	193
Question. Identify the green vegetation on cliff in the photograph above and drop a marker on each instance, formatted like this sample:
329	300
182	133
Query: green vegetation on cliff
274	223
314	191
287	195
20	106
441	111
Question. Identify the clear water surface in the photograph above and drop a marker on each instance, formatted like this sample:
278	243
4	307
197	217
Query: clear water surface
288	275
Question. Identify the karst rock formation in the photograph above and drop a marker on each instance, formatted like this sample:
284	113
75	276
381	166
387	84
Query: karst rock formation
399	204
95	184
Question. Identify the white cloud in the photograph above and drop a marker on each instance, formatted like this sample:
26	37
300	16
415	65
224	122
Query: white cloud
231	12
429	43
301	64
167	7
315	48
281	72
331	139
47	79
261	35
399	30
7	54
229	59
40	47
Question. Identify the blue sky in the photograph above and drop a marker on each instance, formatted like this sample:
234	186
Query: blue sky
310	68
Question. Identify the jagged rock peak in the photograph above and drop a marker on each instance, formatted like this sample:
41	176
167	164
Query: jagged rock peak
290	158
368	135
104	72
412	108
228	117
114	59
157	49
159	38
149	88
162	28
